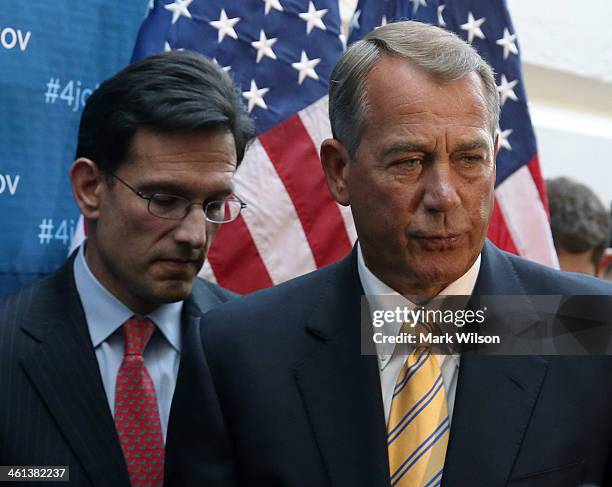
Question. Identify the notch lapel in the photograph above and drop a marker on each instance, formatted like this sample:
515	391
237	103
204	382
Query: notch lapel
198	451
495	394
341	388
493	405
63	369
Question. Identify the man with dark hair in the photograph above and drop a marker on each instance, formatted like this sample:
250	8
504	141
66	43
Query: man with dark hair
580	225
99	363
414	112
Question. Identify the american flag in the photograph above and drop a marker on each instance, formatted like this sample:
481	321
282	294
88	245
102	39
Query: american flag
280	54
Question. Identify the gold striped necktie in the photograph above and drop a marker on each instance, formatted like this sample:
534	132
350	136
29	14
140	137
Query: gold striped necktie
418	428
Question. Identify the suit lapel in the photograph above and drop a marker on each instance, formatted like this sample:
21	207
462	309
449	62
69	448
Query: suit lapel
495	394
341	388
63	369
197	449
192	361
494	400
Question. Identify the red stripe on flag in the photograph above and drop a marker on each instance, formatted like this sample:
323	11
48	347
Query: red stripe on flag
498	231
297	163
235	260
536	174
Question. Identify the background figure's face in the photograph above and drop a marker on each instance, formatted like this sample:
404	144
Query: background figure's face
421	187
145	260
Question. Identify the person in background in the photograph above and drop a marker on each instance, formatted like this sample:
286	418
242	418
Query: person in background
605	263
580	225
100	363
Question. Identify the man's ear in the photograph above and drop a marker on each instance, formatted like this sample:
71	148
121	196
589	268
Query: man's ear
336	165
87	184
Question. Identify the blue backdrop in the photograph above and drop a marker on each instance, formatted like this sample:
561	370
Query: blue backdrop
52	55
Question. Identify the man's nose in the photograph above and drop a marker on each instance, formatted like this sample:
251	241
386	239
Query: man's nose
192	229
441	188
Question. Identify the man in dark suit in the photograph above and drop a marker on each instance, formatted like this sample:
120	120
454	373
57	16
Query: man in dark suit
100	364
414	112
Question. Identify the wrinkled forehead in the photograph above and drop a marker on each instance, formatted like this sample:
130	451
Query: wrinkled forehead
397	87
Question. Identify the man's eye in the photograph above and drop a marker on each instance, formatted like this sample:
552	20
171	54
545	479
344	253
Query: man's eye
410	163
165	199
470	160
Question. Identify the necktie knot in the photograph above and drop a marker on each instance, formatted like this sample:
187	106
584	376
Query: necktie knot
137	332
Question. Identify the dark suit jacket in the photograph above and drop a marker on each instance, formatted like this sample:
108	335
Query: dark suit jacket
303	407
53	408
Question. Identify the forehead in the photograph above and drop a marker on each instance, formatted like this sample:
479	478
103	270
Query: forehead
194	164
402	94
185	159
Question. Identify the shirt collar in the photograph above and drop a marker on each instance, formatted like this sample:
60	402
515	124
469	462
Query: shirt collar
374	288
105	313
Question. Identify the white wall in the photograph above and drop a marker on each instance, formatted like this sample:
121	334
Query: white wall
567	61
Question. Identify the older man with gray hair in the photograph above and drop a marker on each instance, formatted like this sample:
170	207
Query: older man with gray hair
414	112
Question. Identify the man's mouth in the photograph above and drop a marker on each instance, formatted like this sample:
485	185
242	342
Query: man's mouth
437	240
177	265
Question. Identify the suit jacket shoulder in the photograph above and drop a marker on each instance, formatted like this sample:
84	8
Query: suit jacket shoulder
207	294
505	273
53	409
286	306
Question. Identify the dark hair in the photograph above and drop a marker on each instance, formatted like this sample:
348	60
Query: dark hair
578	219
171	92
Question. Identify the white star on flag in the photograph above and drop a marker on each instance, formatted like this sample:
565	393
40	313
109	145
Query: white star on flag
418	3
306	68
503	138
273	4
441	22
355	20
313	18
255	96
472	27
342	38
508	43
178	9
264	46
225	26
383	21
224	68
506	89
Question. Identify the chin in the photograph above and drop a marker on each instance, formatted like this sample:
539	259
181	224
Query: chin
439	276
173	291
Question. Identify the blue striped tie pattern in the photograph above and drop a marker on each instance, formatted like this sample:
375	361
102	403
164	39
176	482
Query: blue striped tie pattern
418	427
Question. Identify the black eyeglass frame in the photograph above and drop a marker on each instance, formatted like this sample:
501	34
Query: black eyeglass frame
189	204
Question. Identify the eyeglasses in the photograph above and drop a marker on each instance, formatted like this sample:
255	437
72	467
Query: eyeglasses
173	207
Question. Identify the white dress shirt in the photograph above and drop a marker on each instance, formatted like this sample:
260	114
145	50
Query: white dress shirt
105	314
390	365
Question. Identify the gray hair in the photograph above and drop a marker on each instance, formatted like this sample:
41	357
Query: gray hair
438	52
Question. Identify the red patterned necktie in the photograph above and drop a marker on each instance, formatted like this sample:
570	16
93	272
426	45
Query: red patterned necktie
136	411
